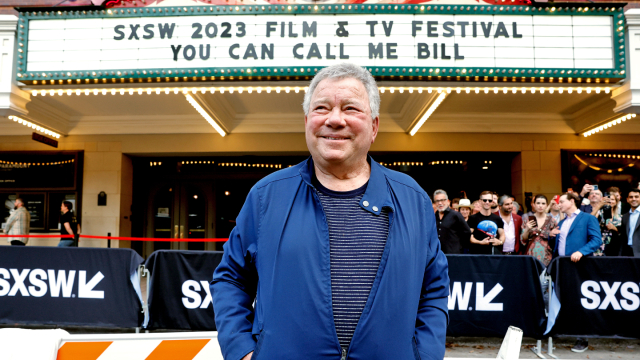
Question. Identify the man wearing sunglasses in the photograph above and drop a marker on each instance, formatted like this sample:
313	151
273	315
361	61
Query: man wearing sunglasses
487	229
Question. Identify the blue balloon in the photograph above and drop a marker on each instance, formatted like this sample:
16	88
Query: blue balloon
488	227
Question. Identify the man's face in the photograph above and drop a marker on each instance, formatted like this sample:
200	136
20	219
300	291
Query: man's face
595	196
442	203
495	201
507	206
477	206
487	201
565	204
339	129
63	208
634	199
465	211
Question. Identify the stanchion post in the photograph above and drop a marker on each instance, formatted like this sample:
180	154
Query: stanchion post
550	348
109	240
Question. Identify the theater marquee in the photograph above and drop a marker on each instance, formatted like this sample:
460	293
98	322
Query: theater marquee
265	41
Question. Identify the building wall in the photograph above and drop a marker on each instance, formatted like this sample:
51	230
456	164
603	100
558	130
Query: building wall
108	167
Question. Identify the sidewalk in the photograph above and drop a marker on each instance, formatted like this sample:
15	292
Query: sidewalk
599	349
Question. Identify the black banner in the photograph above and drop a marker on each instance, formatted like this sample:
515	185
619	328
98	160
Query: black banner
179	296
69	286
490	293
596	297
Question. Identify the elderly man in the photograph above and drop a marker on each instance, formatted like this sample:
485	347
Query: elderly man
453	230
18	224
336	257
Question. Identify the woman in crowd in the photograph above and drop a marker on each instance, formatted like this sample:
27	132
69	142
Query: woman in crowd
464	207
536	231
554	209
477	206
454	203
610	224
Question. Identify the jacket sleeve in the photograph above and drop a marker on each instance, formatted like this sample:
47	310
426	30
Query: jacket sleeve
594	236
433	315
234	284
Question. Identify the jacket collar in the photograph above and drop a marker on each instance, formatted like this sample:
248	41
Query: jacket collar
376	196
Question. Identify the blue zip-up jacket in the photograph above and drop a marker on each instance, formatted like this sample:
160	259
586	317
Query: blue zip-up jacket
278	254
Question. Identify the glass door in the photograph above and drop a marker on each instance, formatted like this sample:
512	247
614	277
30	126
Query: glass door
180	210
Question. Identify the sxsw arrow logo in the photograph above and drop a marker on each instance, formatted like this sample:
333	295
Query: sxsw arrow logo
39	282
483	301
85	289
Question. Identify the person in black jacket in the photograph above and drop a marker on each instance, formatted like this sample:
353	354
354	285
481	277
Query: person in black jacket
453	231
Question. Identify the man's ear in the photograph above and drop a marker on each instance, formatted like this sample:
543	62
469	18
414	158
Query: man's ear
376	125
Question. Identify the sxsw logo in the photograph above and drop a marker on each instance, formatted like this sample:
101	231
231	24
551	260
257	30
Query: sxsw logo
483	301
192	291
592	300
39	282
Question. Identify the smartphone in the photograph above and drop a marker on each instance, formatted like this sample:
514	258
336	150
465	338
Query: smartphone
595	187
535	221
556	198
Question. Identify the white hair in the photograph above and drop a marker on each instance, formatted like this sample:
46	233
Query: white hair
342	71
440	192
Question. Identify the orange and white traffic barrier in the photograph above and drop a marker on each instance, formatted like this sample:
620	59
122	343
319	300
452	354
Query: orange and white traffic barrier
189	346
150	346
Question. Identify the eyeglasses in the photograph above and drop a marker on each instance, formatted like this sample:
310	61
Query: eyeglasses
441	200
487	200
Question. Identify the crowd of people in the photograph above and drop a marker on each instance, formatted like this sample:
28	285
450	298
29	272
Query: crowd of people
571	224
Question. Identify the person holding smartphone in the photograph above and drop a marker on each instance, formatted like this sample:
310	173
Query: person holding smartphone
536	231
610	220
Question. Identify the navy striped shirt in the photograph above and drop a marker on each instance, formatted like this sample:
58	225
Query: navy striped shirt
357	239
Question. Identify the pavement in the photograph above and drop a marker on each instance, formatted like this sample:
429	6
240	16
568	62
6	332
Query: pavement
599	349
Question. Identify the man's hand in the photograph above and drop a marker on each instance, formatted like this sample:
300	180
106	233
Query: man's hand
486	241
495	241
555	232
248	356
576	256
586	189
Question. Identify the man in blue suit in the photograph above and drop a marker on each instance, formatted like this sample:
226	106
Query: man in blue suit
577	235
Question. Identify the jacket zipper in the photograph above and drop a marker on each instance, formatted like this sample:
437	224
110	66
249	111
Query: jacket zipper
344	354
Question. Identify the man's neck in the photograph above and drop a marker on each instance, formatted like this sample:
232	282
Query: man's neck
337	178
571	211
554	212
485	212
505	216
633	208
65	211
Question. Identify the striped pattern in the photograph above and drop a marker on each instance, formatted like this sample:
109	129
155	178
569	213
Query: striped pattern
151	349
357	239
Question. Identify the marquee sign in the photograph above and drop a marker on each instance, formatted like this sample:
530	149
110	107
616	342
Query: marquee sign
258	42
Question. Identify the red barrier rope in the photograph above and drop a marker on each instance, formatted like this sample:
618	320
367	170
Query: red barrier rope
117	238
37	236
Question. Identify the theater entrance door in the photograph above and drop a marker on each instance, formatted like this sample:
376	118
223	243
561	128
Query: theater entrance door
180	210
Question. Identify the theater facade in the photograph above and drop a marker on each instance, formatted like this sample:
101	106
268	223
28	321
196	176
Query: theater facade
155	118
